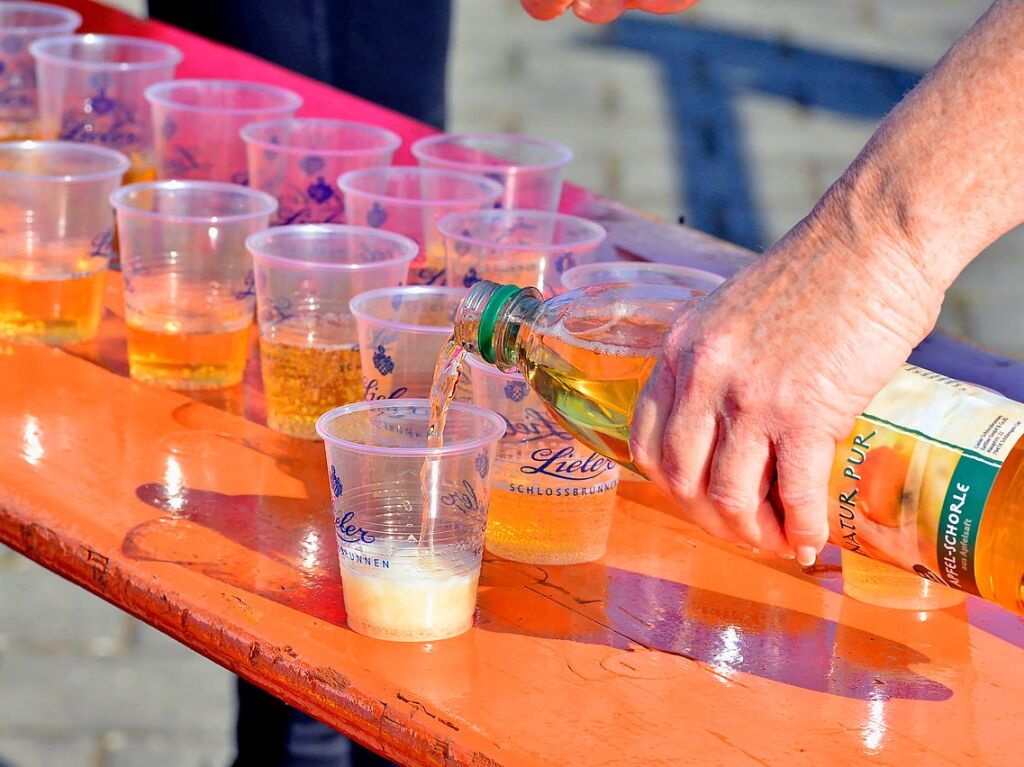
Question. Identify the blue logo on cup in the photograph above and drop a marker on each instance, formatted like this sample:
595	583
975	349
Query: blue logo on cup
336	487
102	244
320	191
516	390
376	216
383	362
102	120
250	286
462	247
240	177
472	278
482	464
311	165
564	464
349	533
11	45
564	261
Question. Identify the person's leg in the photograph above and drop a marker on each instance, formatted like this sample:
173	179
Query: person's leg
270	733
392	52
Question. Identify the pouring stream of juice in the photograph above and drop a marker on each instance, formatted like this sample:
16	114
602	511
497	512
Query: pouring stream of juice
442	390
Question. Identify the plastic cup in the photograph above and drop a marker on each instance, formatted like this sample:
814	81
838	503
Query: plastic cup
411	201
521	247
197	125
883	585
299	162
409	519
55	238
530	170
401	334
552	497
640	272
21	24
90	90
309	349
189	286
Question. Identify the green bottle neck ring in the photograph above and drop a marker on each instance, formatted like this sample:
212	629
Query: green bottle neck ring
489	318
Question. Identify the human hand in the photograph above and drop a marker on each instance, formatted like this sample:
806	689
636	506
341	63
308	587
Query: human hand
758	381
601	11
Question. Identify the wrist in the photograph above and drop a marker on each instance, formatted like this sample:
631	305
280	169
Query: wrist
884	243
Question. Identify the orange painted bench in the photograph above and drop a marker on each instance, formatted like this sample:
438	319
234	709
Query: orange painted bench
674	649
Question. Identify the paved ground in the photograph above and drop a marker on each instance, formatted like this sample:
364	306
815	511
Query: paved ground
662	113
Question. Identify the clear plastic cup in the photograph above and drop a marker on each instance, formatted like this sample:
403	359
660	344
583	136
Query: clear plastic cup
189	286
552	497
90	90
520	247
21	24
884	585
197	125
530	170
640	271
306	275
299	162
55	241
411	201
401	334
409	519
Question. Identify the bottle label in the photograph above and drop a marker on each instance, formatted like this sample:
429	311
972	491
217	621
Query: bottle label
910	483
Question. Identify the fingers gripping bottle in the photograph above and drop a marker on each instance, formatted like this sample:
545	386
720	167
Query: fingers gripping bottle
930	480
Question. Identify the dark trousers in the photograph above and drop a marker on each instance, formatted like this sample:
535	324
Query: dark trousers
392	52
270	733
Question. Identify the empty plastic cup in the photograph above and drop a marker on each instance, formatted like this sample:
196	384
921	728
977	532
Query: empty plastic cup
56	237
409	519
640	271
306	275
530	170
552	497
197	124
521	247
411	201
20	25
401	334
90	90
299	162
189	288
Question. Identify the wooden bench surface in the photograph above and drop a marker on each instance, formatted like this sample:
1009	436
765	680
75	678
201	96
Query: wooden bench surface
674	649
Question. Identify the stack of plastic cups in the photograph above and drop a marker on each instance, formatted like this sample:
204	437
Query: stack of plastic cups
409	519
299	162
401	334
410	201
91	90
56	237
197	125
21	24
306	275
552	497
530	170
519	247
189	284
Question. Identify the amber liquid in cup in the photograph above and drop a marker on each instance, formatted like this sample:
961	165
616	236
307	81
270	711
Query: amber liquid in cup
187	357
41	307
302	381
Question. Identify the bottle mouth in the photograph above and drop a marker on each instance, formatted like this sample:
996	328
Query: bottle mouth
485	332
469	318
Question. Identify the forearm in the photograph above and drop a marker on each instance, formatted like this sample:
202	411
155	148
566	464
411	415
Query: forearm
941	177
